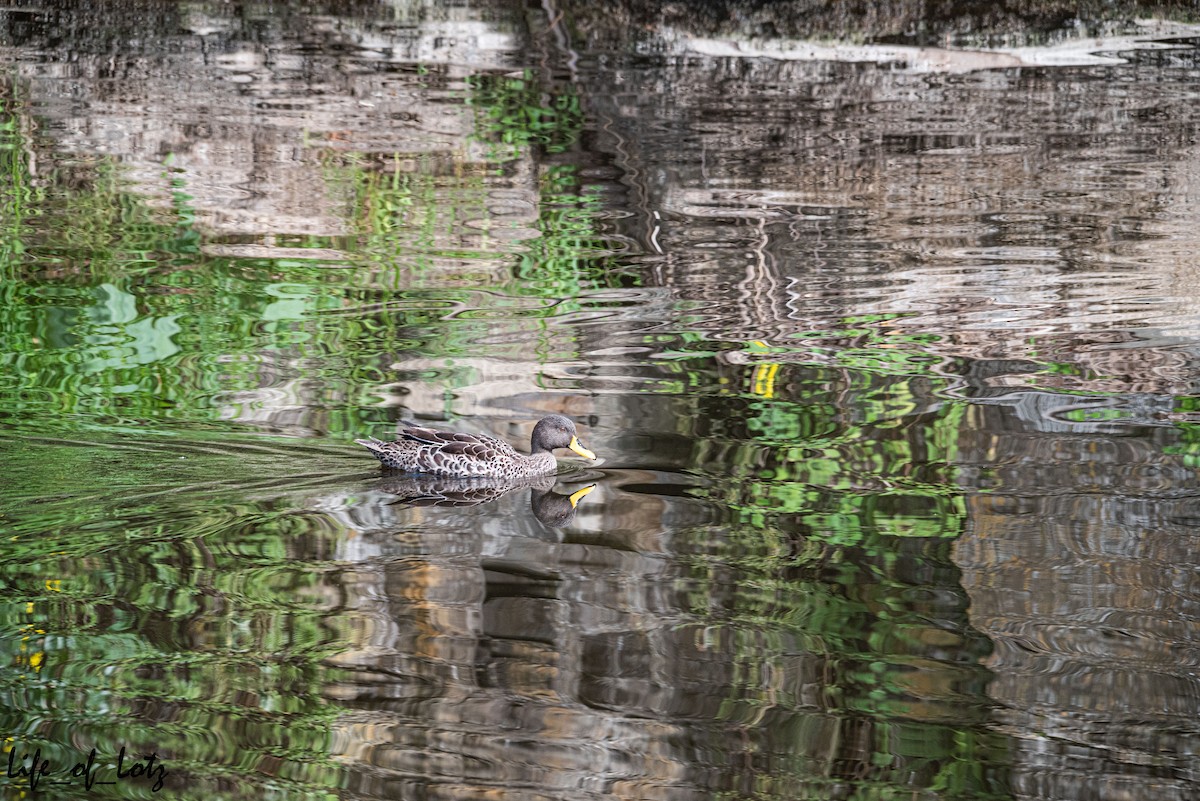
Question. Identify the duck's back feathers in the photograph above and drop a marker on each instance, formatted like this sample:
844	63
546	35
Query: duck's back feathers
431	436
440	453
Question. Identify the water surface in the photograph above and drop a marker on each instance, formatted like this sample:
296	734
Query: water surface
891	364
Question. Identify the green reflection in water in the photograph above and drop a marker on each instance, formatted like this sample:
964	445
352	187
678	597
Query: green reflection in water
848	456
412	222
568	257
522	112
849	664
121	318
145	605
19	195
831	587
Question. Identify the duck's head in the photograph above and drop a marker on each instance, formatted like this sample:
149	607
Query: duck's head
556	431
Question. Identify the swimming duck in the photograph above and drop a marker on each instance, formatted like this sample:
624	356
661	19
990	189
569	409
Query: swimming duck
445	453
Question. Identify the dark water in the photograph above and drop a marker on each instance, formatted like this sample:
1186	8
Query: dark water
892	365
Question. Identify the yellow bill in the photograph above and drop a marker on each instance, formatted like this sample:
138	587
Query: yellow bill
576	446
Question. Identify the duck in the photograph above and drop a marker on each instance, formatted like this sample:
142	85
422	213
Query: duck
429	451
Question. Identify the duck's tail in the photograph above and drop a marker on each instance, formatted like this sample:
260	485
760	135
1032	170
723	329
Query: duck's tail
371	444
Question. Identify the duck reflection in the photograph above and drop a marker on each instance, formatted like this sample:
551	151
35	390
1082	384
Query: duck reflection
551	508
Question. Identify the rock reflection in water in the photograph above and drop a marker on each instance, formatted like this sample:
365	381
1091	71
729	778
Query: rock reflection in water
633	659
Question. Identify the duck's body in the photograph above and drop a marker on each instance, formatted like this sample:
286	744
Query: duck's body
445	453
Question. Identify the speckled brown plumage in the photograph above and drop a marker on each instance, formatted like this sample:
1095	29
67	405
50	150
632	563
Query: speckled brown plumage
445	453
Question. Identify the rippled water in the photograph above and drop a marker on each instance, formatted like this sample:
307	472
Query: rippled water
891	362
